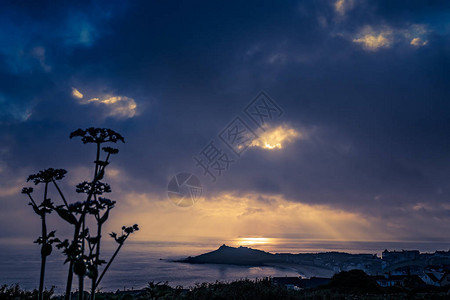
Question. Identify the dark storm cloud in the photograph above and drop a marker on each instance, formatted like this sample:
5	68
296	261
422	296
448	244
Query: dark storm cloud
381	116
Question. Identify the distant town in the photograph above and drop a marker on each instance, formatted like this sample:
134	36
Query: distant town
393	268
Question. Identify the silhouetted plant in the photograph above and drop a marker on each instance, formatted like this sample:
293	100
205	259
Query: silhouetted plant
14	292
162	291
83	252
126	231
46	207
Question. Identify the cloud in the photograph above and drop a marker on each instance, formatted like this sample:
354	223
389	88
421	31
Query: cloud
13	110
377	136
244	216
277	137
120	107
9	190
342	6
375	31
277	58
416	34
418	42
372	40
117	106
80	31
76	93
39	54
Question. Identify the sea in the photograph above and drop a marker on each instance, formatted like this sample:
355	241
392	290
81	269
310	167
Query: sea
139	263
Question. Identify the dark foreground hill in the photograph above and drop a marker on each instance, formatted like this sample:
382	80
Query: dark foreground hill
346	285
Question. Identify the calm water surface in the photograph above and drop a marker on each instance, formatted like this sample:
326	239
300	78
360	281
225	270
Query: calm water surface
139	263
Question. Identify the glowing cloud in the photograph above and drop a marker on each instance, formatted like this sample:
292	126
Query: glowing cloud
275	138
275	217
76	93
253	219
373	41
116	106
418	42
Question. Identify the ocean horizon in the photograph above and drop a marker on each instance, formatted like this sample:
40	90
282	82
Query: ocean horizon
139	263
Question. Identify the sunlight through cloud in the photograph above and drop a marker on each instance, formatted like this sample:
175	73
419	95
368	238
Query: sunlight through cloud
252	241
118	106
277	215
276	138
121	107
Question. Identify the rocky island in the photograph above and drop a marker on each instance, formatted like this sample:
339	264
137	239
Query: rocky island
328	263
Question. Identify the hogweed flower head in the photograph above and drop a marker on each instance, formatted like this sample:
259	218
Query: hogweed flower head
27	190
96	188
97	135
126	231
47	175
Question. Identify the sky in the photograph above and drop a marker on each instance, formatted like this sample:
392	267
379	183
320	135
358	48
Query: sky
359	149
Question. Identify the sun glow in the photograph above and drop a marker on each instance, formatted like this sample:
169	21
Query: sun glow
277	137
252	220
251	241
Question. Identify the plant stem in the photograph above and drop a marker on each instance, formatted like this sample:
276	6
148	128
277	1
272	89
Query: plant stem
80	287
69	281
75	237
43	259
96	259
61	194
41	281
96	160
81	277
70	274
32	200
44	243
109	263
83	217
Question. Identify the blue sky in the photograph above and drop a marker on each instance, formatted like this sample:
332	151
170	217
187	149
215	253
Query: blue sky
364	138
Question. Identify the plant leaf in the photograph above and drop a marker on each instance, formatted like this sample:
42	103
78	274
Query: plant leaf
66	215
104	217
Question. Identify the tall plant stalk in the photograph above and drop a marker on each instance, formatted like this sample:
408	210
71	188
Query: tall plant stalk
83	252
70	273
43	251
75	237
46	207
97	160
